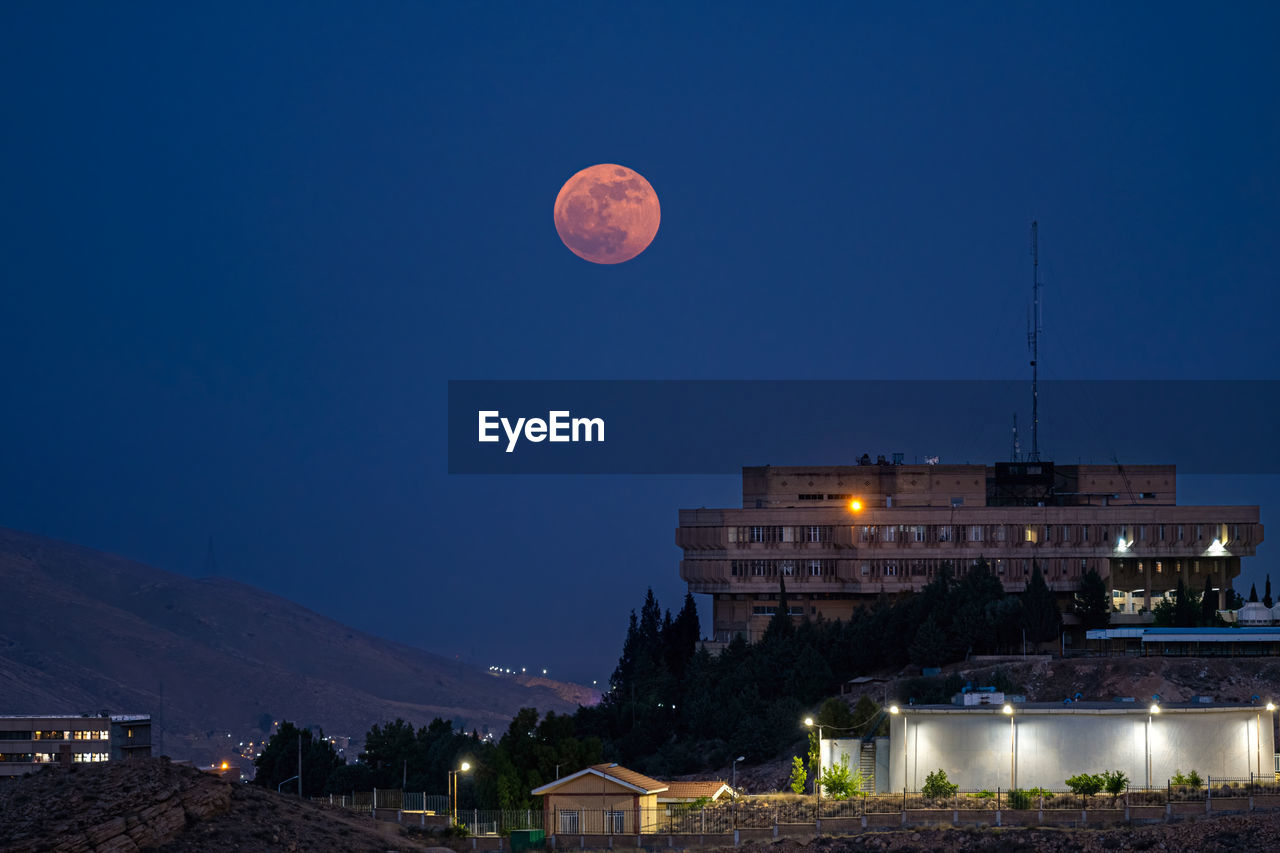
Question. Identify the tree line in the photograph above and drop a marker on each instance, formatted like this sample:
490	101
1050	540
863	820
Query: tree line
673	708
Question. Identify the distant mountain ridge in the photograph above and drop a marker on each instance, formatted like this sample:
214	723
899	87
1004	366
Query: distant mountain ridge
87	631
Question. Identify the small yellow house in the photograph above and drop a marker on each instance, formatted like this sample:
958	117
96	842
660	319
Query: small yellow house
604	799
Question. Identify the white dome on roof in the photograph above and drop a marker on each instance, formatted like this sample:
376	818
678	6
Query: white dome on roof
1254	613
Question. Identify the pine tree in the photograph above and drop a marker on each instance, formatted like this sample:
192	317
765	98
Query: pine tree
1208	605
1253	592
1266	598
1040	614
930	645
1091	602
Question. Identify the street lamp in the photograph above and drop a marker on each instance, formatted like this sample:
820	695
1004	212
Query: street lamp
1151	712
817	781
1013	748
855	505
453	788
735	773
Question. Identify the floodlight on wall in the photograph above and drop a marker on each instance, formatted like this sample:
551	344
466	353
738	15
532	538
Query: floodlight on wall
1271	706
893	709
1155	709
1008	709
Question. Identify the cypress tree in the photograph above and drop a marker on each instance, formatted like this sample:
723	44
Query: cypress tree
1040	614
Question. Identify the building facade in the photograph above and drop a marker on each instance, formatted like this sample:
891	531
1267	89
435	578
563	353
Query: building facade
1042	745
839	536
31	743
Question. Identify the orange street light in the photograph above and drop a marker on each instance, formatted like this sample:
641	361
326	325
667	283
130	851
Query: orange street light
855	505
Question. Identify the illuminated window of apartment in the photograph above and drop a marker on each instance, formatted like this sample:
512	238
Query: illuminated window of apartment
1159	567
891	569
815	568
866	533
866	570
888	532
1029	534
975	533
1196	566
917	532
944	533
788	567
16	757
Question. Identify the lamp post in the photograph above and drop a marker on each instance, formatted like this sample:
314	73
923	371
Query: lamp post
1151	712
1013	748
817	780
735	773
453	790
893	709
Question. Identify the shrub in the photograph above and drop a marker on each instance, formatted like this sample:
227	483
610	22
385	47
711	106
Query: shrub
1085	784
937	786
984	794
840	782
798	774
1114	782
1019	799
1191	780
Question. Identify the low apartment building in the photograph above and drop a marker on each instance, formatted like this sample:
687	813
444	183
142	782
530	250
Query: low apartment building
30	743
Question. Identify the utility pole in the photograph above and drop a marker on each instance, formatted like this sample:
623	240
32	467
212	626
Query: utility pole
1033	342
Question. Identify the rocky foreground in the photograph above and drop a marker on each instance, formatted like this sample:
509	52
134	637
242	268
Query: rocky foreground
150	804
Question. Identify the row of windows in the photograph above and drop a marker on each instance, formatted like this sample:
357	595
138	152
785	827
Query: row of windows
864	569
19	757
1047	533
780	533
65	735
772	610
15	735
785	568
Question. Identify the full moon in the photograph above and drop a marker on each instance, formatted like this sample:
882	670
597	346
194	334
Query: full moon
607	214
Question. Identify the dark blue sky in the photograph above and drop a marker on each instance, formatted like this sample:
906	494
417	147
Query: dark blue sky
244	248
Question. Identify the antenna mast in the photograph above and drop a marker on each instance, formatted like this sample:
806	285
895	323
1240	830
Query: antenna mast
1033	343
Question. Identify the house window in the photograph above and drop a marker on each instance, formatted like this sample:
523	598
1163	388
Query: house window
866	570
568	821
889	532
891	569
866	533
975	533
1179	532
814	534
1048	533
1029	535
1000	533
616	821
815	568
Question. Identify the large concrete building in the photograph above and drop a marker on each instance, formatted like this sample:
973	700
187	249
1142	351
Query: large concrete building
840	535
31	743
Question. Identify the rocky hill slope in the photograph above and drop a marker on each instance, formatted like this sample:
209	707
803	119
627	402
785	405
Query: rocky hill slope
150	804
216	661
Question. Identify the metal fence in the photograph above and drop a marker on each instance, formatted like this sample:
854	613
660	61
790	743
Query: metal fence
766	812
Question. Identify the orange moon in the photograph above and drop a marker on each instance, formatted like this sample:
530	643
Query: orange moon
607	214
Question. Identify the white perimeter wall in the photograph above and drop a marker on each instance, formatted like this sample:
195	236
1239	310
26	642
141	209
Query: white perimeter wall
977	751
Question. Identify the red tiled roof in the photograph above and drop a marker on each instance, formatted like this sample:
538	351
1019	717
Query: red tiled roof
692	790
630	777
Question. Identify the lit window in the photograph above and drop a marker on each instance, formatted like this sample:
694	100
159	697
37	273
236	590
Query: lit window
944	533
815	568
1084	533
788	568
975	533
1030	534
918	532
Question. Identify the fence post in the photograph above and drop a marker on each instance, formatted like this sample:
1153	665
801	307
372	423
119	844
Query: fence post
1208	796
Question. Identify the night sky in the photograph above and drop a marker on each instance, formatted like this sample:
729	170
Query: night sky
245	246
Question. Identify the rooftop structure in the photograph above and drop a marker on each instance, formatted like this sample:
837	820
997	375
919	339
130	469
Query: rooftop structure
840	535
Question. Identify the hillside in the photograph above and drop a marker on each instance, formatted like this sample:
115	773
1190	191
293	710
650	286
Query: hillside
87	631
151	804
